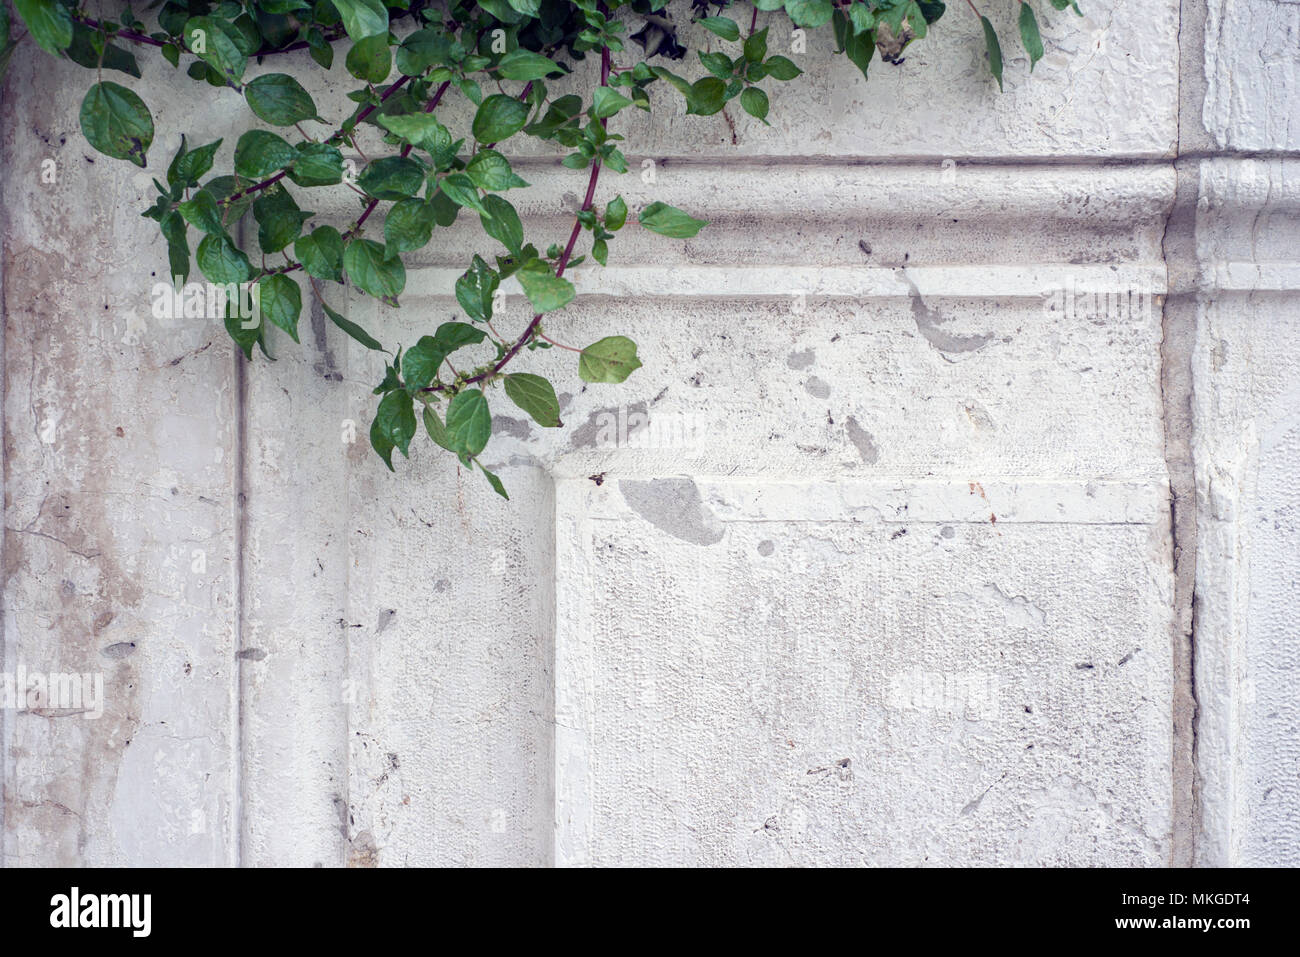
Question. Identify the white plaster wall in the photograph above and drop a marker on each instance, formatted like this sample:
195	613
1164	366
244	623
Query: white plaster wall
886	574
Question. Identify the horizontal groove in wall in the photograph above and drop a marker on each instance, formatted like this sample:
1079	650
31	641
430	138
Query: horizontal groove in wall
722	160
1045	501
832	192
864	282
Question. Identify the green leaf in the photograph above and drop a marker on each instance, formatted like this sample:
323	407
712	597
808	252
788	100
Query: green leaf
373	271
719	64
370	59
916	20
317	164
221	260
498	118
260	153
392	177
188	167
420	362
861	16
559	115
707	96
116	122
437	431
178	248
321	253
612	359
546	291
281	302
421	50
607	101
320	48
670	221
492	479
352	329
409	226
213	41
932	10
536	396
526	65
490	170
456	335
474	290
809	13
380	442
461	190
418	129
362	18
48	22
501	222
756	46
754	102
1029	35
246	336
781	68
89	50
859	48
721	26
995	49
469	423
201	212
223	187
279	99
396	420
615	214
279	220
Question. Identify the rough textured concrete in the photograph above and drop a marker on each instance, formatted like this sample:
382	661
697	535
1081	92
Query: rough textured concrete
904	547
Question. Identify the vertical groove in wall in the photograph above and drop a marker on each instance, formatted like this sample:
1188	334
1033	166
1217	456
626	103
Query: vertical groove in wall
4	502
550	808
1178	343
238	568
346	701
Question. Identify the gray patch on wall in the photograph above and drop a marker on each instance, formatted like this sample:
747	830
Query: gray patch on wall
817	388
587	434
674	506
800	360
862	439
928	322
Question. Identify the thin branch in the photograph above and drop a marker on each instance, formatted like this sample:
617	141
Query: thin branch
564	258
406	151
355	228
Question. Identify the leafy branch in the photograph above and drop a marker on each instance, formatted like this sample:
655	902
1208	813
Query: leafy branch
429	175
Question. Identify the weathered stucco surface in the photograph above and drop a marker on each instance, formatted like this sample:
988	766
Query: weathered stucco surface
900	549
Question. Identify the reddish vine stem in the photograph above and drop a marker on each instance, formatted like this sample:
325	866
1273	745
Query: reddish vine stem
393	88
355	228
564	258
406	151
256	187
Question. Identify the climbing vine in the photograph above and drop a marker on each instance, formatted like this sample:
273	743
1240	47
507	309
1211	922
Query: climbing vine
407	57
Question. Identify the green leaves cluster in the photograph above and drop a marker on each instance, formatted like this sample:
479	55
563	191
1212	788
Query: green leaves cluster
252	226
